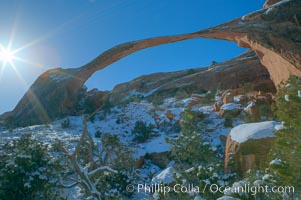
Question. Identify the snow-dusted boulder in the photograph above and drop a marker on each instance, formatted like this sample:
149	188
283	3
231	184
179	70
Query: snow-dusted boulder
166	176
232	109
249	144
252	111
231	106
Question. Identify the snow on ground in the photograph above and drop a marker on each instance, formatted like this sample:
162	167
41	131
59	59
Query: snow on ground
257	130
155	145
231	106
121	121
227	198
177	112
214	128
44	133
206	109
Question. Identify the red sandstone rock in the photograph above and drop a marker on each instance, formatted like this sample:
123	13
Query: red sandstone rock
228	98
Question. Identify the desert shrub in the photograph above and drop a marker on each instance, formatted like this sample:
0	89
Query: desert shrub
97	134
214	62
65	123
157	100
141	131
191	71
181	94
247	87
118	156
28	171
107	106
265	110
209	97
195	160
228	121
119	120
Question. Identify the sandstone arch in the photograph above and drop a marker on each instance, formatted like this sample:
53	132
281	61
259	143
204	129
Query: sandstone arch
274	33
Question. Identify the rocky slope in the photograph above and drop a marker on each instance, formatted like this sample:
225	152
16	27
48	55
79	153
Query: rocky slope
246	144
273	33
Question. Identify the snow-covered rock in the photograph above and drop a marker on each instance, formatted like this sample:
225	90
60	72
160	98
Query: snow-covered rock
232	109
245	132
248	145
230	106
166	176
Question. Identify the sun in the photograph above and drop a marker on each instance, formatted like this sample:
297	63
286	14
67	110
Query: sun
6	55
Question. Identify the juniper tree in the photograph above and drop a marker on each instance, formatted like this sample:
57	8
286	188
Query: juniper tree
287	145
195	160
102	170
28	171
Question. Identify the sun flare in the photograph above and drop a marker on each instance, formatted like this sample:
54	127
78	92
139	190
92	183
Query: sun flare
6	55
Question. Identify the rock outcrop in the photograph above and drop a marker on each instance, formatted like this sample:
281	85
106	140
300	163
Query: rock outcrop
274	33
228	98
270	2
248	145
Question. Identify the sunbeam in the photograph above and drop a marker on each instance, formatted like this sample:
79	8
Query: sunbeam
6	55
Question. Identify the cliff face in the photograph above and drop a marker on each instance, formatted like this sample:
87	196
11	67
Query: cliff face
274	33
237	72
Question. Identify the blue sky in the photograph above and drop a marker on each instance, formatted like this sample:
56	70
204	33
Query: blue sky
68	33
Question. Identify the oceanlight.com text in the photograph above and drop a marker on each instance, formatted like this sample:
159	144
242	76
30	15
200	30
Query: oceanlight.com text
212	188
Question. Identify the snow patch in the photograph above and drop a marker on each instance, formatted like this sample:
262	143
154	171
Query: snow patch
245	132
237	98
206	109
177	111
166	176
58	77
227	198
155	145
250	105
230	106
276	162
